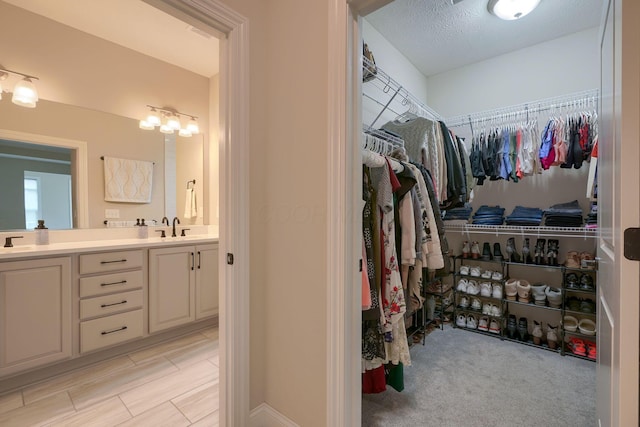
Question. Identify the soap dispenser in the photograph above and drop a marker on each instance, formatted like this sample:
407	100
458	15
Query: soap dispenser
42	233
143	230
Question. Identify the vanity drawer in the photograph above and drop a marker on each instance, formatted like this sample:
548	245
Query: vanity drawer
109	283
110	261
109	304
110	330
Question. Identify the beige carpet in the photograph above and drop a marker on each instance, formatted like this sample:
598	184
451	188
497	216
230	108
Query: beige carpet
464	379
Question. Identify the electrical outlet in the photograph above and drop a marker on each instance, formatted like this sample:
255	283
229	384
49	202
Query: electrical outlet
112	213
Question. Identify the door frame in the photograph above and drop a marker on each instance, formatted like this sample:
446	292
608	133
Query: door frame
232	29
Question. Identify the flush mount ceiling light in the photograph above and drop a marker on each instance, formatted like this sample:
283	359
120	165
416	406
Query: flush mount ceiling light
24	92
168	119
510	10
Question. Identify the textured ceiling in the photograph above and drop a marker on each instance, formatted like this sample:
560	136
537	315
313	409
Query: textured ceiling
437	36
136	25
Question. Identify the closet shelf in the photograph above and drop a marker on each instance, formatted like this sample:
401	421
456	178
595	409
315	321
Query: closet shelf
539	231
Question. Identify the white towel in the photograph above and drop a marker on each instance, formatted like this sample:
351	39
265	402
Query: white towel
127	180
190	204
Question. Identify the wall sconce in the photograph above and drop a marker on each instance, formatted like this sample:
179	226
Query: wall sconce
24	92
168	121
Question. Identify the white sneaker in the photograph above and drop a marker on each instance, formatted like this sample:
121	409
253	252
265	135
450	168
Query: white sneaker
496	311
461	321
472	323
464	270
475	271
462	285
476	304
485	289
496	275
486	274
494	326
496	292
464	301
473	288
483	324
487	308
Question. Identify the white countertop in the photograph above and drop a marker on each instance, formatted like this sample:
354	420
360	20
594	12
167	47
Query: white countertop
67	248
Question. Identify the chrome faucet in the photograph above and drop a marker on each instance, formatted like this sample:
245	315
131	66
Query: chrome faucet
173	233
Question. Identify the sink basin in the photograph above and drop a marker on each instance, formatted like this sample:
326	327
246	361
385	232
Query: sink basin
17	248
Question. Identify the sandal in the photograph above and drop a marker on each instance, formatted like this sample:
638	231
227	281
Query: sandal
577	346
592	351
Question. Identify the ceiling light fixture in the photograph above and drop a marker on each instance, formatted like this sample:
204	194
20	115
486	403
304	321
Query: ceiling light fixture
168	119
25	93
510	10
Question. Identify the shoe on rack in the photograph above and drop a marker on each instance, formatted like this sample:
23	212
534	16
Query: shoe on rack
496	275
523	327
473	288
539	253
486	274
570	323
475	271
497	253
577	346
552	336
587	327
462	285
538	292
573	303
571	281
537	333
487	308
472	322
475	250
486	252
573	260
485	289
496	311
511	289
587	306
476	304
483	324
526	252
464	302
592	351
512	255
461	321
496	291
466	249
587	260
553	247
494	327
554	296
586	282
512	326
524	290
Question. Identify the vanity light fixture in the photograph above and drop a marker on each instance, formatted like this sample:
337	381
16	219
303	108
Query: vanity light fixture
24	92
168	121
510	10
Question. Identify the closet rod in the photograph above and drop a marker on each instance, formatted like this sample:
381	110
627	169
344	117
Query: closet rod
570	101
392	85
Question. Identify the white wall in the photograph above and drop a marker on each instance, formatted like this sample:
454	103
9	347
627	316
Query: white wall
399	68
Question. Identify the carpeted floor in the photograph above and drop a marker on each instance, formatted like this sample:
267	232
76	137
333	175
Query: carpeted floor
464	379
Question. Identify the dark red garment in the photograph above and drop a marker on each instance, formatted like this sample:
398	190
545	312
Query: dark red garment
374	381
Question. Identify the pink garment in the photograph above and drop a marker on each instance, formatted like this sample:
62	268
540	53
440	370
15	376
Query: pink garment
366	285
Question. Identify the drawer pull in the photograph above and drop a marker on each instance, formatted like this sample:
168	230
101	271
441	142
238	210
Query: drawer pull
114	283
115	303
114	330
111	262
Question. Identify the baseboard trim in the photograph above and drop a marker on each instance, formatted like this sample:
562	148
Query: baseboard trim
265	416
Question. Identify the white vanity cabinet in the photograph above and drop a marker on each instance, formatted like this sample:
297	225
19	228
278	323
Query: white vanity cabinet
183	285
36	315
111	298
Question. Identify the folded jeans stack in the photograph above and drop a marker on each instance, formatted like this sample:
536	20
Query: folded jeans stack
592	217
461	213
525	216
564	215
488	215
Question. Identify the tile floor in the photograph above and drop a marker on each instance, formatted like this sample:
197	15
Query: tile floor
171	384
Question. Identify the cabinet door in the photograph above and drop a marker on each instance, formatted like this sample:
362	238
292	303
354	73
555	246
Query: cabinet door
206	280
171	287
35	323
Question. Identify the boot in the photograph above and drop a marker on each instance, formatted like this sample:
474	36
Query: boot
497	253
512	327
526	252
539	252
522	329
552	252
466	249
475	250
524	291
552	336
486	251
512	255
537	333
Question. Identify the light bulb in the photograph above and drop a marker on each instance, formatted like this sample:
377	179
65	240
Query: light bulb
512	9
153	118
146	125
192	126
166	129
185	133
25	93
173	122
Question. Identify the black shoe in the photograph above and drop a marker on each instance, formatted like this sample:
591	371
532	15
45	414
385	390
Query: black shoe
486	251
522	329
539	252
552	252
526	252
497	253
512	327
512	255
